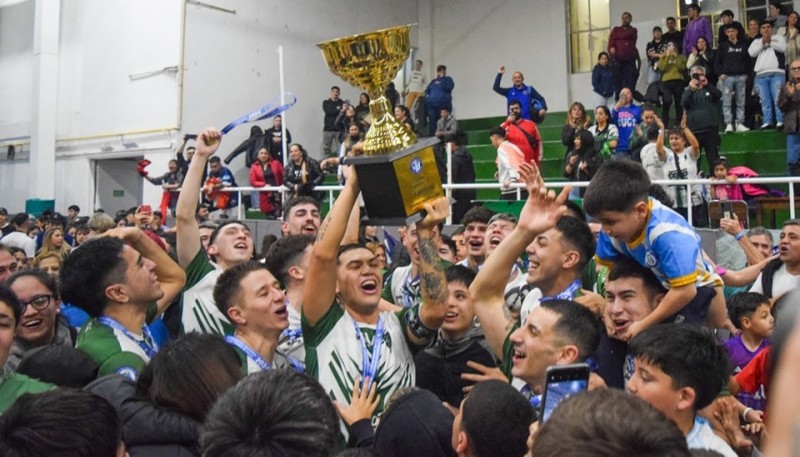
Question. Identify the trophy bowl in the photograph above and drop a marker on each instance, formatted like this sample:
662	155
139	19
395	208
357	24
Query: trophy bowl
397	175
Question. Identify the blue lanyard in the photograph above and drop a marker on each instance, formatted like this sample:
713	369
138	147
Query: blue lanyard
369	361
149	345
408	289
535	400
566	294
251	354
292	335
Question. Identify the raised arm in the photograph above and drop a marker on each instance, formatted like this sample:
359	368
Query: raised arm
433	284
188	230
541	211
322	266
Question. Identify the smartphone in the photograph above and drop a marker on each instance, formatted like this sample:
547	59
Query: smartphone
561	382
727	209
146	209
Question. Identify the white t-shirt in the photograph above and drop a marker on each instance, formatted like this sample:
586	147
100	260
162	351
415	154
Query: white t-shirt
782	282
702	437
652	163
417	81
688	167
22	241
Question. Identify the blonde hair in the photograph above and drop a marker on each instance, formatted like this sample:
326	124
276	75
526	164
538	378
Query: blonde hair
49	248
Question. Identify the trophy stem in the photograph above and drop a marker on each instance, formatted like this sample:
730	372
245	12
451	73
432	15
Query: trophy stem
387	134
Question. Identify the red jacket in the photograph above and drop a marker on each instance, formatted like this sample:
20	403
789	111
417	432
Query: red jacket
515	135
623	40
257	179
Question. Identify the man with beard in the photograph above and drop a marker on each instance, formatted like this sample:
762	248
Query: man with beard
301	217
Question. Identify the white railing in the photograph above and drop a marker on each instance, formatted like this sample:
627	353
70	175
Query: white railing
332	190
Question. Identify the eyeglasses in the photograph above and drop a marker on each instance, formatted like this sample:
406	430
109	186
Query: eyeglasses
39	302
795	68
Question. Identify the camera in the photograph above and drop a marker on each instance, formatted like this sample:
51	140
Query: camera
696	76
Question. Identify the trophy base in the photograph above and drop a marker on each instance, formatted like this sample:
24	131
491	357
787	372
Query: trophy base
396	186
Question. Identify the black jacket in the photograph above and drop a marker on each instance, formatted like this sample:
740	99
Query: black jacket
251	145
294	176
149	430
732	59
702	113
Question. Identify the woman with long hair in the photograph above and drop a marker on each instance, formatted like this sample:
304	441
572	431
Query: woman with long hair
403	114
672	66
583	161
605	133
603	81
267	171
303	173
703	55
790	32
577	120
53	242
362	111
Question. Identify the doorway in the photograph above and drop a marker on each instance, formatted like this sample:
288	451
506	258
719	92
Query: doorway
117	184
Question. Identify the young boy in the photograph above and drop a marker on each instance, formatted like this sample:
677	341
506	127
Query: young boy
750	313
639	227
679	369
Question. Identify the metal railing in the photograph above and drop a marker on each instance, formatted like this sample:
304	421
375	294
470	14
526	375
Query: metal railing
449	187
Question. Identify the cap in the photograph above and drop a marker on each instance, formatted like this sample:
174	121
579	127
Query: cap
3	212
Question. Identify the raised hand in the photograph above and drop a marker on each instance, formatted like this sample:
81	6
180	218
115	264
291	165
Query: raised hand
208	142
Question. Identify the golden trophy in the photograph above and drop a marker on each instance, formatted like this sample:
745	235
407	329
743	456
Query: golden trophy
397	174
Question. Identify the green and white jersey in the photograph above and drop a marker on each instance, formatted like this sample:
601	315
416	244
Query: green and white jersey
334	354
199	313
249	366
290	344
113	351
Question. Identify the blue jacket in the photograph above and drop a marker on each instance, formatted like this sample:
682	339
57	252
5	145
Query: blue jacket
603	80
627	118
524	96
438	91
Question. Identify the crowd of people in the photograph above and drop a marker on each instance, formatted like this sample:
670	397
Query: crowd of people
124	335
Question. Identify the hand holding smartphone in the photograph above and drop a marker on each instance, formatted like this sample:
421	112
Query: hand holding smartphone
562	381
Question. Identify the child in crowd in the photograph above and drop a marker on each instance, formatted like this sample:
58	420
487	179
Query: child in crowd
730	190
679	370
639	227
750	313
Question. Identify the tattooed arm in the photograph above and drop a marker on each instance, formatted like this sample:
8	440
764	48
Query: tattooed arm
322	266
433	284
541	211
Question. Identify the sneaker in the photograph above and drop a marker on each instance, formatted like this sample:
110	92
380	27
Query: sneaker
729	128
766	126
742	128
779	125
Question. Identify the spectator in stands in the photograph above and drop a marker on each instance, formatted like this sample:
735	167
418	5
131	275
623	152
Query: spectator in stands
702	55
259	408
782	274
701	104
50	263
672	66
267	171
41	323
72	213
123	281
220	177
446	125
402	114
682	164
509	158
302	173
638	138
726	17
627	116
5	226
346	117
527	96
362	110
415	87
789	104
697	26
673	34
618	198
301	217
750	313
577	120
583	161
777	15
523	133
53	242
654	50
768	53
728	189
732	66
169	181
603	82
19	255
46	424
12	385
438	95
275	140
463	173
330	134
606	135
679	370
19	237
622	50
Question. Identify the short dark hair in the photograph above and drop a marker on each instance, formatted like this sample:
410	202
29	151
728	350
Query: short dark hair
625	267
575	210
657	192
730	26
765	22
577	235
609	423
441	67
514	102
447	240
89	270
670	18
75	208
58	423
688	355
190	374
20	219
657	28
496	419
286	253
652	132
44	279
336	88
696	7
728	13
477	214
744	304
498	131
214	159
287	207
349	247
213	236
8	297
226	291
576	325
618	186
263	408
760	231
460	274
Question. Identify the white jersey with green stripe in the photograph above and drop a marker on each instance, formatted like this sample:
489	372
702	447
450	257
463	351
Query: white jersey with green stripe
334	354
199	313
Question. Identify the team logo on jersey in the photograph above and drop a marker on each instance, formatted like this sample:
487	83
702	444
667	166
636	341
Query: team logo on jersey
650	260
416	165
128	372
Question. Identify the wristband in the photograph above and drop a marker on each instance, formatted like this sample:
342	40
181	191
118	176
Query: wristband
721	270
744	414
417	328
740	235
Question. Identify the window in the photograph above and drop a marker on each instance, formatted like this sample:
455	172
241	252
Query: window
589	28
759	9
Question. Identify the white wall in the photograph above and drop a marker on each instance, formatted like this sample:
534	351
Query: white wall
16	69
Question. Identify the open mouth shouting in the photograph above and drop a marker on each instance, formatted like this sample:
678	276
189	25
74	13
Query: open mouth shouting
283	313
450	317
369	286
309	229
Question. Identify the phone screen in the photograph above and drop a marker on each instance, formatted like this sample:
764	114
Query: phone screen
727	210
557	391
